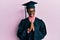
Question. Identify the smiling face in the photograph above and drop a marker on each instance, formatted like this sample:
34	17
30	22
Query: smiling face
31	12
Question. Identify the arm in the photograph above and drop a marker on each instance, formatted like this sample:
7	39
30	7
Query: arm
21	32
42	30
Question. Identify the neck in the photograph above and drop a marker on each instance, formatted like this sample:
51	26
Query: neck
31	19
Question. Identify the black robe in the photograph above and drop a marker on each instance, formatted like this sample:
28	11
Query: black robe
38	34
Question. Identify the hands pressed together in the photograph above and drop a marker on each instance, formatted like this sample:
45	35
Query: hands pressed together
31	27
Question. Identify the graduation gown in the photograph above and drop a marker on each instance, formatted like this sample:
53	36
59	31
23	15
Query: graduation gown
38	34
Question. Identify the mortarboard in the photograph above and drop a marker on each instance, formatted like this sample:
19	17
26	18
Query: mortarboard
28	5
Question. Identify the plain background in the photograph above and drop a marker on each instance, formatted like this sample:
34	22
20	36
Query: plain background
12	11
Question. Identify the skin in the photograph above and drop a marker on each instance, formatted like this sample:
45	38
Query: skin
31	13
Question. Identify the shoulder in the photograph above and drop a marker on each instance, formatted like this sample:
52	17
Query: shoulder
24	20
39	20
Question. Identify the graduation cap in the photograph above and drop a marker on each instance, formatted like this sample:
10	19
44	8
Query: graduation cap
30	4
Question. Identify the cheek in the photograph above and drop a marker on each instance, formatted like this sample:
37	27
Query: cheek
33	12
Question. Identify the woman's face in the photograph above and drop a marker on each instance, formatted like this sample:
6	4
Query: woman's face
31	12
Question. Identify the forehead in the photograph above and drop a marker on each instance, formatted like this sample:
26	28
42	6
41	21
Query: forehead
31	9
